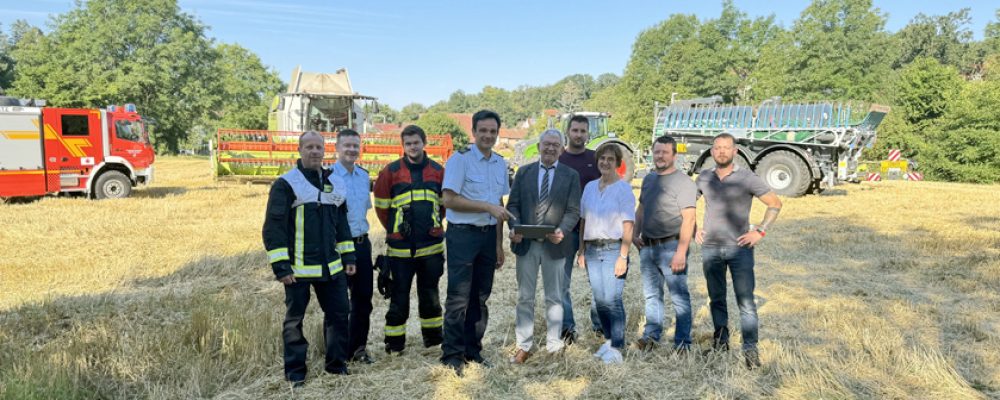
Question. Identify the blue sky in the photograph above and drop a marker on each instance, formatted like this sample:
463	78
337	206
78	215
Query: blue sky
410	51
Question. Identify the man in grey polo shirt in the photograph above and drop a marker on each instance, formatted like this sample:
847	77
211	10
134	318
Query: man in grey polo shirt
728	241
665	219
475	181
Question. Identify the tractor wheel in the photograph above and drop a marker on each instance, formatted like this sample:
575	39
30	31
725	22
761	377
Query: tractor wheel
112	185
626	170
785	173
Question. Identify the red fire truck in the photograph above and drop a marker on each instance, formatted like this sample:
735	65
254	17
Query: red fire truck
102	153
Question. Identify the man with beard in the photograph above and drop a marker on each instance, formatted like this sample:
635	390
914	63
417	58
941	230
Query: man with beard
584	161
665	219
728	241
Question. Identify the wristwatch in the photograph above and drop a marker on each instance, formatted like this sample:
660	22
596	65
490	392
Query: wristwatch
623	257
761	231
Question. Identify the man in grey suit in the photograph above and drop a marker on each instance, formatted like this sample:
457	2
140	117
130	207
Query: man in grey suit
544	193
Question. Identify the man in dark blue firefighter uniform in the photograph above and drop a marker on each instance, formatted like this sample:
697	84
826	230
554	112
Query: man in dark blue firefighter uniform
308	243
408	204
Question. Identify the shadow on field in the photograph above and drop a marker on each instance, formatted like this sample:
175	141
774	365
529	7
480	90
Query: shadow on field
869	310
159	192
834	192
211	326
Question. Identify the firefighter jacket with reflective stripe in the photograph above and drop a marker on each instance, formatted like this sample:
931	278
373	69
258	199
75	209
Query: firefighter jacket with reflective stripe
409	206
305	229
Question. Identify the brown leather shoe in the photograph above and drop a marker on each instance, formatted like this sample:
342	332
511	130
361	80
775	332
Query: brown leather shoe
520	357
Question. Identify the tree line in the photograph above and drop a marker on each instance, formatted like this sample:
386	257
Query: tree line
148	53
943	85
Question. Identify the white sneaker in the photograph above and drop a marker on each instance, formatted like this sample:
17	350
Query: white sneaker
612	356
604	349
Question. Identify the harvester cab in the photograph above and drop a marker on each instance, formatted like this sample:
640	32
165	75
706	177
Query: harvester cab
320	102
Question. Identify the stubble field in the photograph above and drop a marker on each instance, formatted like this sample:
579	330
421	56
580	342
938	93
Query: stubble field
885	290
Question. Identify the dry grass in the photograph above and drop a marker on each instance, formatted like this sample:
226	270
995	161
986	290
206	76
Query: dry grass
889	290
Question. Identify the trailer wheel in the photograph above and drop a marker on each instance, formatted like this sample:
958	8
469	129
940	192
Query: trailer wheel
785	173
112	185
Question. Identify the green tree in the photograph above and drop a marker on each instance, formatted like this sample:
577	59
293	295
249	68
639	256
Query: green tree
659	65
6	61
441	124
247	90
572	97
836	49
921	94
967	143
411	112
925	88
385	114
946	38
991	36
691	58
148	53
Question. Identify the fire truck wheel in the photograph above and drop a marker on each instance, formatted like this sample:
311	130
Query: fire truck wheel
112	185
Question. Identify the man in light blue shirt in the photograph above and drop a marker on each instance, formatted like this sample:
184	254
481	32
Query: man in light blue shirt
358	203
475	181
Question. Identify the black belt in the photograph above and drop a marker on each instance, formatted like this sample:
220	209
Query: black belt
602	242
658	241
360	239
470	227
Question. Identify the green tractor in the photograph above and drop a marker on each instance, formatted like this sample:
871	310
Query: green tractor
526	151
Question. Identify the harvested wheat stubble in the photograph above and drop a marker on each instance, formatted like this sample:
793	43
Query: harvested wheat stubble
885	290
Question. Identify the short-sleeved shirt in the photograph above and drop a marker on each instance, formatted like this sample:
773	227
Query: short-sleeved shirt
727	203
358	198
662	198
476	177
584	163
605	211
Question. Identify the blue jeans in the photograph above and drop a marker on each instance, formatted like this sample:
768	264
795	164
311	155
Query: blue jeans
655	267
739	261
569	324
607	290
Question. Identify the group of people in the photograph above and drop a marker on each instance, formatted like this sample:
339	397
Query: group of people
316	234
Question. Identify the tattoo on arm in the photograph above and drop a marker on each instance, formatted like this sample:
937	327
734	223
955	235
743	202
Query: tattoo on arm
769	216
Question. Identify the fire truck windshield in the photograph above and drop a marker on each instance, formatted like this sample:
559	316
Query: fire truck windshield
134	131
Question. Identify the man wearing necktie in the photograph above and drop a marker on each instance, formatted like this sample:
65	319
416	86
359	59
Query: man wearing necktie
543	193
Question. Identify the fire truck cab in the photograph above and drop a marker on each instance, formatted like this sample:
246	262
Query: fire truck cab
102	153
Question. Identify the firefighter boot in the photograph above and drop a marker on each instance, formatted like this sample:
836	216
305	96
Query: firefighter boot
432	336
395	344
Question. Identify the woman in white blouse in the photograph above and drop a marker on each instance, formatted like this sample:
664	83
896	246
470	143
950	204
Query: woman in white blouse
606	219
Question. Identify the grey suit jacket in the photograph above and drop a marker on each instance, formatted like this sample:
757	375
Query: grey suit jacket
563	210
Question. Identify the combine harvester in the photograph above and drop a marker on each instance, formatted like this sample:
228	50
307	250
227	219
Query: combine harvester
796	148
325	103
